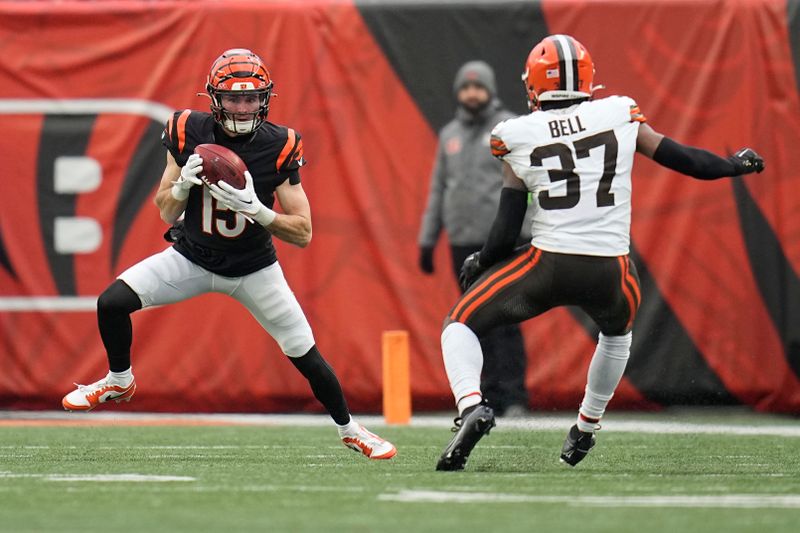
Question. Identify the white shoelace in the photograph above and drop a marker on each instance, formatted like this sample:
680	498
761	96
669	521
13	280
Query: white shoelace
93	387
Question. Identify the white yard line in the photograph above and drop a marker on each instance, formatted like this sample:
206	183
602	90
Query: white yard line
128	478
738	501
732	501
534	423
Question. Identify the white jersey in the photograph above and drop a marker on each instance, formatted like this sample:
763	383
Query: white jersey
577	162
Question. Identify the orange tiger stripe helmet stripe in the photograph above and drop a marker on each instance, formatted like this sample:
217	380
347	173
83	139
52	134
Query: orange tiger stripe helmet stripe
239	71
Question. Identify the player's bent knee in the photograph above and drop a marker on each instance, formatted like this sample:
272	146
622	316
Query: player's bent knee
297	345
118	298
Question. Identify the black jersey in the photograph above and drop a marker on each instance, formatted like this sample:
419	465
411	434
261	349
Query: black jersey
214	237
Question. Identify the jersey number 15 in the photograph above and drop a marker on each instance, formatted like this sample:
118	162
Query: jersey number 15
221	224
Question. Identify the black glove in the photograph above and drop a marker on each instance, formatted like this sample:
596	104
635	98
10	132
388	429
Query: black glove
471	270
426	259
174	233
746	161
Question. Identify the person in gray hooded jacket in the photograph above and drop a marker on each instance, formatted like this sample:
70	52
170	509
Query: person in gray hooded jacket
463	200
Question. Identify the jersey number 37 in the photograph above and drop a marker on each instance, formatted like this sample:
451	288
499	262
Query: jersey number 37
583	146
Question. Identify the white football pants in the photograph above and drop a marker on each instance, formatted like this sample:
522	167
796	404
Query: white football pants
169	277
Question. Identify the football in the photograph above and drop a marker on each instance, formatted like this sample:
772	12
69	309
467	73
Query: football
221	164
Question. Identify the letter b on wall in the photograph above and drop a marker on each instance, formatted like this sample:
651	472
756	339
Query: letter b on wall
76	175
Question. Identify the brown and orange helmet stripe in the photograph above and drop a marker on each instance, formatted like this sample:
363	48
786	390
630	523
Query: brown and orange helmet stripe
561	66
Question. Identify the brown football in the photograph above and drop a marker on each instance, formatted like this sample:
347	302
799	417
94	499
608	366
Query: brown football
221	164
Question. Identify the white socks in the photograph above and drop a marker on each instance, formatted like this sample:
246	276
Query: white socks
605	371
348	430
463	361
120	378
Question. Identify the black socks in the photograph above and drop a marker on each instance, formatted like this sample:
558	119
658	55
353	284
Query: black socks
114	308
324	384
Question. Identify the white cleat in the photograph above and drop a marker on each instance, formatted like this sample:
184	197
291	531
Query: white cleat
87	397
369	444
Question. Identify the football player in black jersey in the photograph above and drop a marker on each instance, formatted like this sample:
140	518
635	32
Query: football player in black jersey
224	241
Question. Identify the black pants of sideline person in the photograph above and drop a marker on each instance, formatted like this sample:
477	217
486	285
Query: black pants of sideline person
504	361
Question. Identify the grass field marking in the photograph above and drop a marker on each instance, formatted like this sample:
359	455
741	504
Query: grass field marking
208	447
195	487
696	427
750	501
13	419
11	475
134	478
187	456
292	488
128	478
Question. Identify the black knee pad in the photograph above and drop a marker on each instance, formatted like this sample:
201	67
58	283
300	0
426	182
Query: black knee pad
118	298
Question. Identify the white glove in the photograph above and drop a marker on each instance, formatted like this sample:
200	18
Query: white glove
244	201
188	177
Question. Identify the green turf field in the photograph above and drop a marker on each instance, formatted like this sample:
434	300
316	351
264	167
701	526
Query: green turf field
260	478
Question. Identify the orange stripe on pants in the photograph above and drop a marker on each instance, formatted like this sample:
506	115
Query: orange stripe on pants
506	281
485	283
634	285
628	296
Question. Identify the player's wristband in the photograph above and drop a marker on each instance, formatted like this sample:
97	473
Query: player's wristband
265	216
179	193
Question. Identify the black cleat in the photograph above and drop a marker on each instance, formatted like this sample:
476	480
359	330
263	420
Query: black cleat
576	446
468	429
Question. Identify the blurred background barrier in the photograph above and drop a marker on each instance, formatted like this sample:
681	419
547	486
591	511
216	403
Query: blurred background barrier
85	89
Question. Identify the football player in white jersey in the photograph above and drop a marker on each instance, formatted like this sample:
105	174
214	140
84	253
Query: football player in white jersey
575	155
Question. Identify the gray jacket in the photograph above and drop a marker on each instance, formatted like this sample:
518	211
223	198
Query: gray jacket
466	180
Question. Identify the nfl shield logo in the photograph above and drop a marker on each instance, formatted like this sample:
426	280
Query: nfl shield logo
453	146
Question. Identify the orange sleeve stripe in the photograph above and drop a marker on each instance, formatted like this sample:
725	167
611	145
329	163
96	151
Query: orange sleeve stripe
182	129
498	147
637	115
169	127
499	152
298	153
287	149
